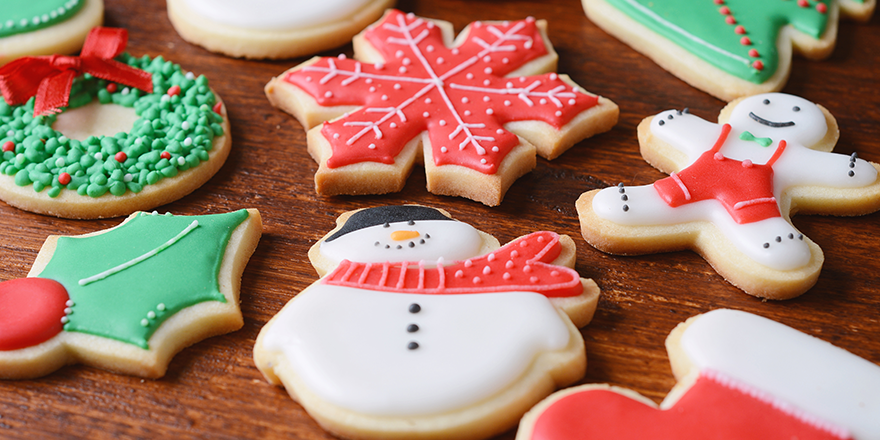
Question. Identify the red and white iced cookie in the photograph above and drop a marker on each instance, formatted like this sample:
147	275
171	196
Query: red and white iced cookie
272	28
739	376
425	327
474	111
732	189
46	27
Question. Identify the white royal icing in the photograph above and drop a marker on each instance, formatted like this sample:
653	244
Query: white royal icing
805	372
350	346
448	239
275	14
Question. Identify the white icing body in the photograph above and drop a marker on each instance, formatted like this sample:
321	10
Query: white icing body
275	14
802	371
798	165
350	346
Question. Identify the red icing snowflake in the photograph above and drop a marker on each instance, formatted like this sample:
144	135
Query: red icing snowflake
459	94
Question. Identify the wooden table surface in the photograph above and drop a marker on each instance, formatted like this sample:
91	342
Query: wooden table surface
213	389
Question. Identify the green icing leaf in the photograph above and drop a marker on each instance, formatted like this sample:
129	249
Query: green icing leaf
20	16
700	27
153	265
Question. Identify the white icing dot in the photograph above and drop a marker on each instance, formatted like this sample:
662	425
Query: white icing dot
185	125
496	149
341	56
99	156
188	141
469	76
483	160
426	114
64	320
486	82
328	94
528	44
397	87
402	69
372	89
522	79
442	122
161	307
335	135
465	100
308	79
486	99
477	280
398	54
127	178
459	274
439	60
542	101
371	146
410	15
125	91
506	102
487	58
499	131
467	112
181	160
554	76
145	322
67	310
407	61
430	25
489	111
443	149
151	314
165	98
430	48
487	270
487	70
379	66
393	125
190	75
505	60
428	100
368	80
69	303
384	97
10	133
455	51
572	101
558	113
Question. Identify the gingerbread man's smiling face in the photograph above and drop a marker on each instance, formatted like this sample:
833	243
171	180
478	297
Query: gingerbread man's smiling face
780	116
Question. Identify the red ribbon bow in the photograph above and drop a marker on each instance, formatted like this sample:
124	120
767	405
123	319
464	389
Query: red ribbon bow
50	77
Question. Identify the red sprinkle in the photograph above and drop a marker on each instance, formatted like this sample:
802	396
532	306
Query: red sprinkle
112	87
8	146
754	53
724	10
719	2
745	41
758	65
121	157
64	178
803	3
730	19
174	91
165	155
217	108
822	8
740	29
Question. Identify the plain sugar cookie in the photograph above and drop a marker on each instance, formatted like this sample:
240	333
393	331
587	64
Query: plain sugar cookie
272	28
46	27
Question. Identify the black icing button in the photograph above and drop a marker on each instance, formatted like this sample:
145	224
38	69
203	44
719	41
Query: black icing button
413	345
412	328
415	308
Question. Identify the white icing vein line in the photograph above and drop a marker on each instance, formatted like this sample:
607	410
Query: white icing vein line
130	263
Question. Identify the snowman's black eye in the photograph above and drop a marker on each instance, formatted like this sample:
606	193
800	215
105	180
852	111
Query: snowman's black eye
766	102
411	222
796	109
386	225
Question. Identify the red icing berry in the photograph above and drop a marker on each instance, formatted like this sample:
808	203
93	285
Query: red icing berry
64	178
719	2
30	311
218	107
822	8
8	146
740	29
174	91
121	157
165	155
803	3
724	10
112	87
745	41
730	19
758	65
754	53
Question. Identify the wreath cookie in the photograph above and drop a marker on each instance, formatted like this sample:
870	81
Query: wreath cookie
272	28
45	27
128	298
178	141
424	327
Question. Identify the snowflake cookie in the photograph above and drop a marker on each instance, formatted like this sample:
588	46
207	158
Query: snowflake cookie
129	298
740	376
731	191
46	27
424	327
473	111
727	48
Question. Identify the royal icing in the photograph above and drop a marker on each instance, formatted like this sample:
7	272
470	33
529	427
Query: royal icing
460	95
274	14
20	16
31	310
739	37
741	204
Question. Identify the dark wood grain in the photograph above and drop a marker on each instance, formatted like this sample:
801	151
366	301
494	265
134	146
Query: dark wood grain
212	389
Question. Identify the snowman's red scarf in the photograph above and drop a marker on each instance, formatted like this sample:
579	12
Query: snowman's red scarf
521	265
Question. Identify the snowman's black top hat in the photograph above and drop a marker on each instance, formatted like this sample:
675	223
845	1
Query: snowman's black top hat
381	215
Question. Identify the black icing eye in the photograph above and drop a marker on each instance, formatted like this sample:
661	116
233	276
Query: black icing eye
766	102
411	222
796	109
386	225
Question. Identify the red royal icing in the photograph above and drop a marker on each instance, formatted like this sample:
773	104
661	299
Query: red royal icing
521	265
743	188
459	95
709	410
30	311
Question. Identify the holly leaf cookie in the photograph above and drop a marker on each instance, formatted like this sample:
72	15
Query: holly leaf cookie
55	160
474	111
46	27
732	189
272	28
129	298
727	48
425	327
739	376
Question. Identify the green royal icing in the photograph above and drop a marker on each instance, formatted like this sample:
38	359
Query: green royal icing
130	303
699	27
183	125
21	16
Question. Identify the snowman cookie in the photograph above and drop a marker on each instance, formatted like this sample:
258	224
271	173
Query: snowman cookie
732	189
424	327
739	376
728	48
474	111
272	28
46	27
129	298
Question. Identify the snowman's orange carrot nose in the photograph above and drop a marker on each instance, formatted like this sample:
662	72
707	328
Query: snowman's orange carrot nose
404	235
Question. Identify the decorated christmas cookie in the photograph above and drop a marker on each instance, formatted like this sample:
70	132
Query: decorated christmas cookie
731	191
127	299
739	376
45	27
272	28
473	111
728	48
424	327
165	132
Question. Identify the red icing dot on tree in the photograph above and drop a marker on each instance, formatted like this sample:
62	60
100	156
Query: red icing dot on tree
822	7
745	41
8	146
754	53
218	107
121	157
724	10
174	91
758	65
165	155
740	29
730	20
803	3
64	178
112	87
30	311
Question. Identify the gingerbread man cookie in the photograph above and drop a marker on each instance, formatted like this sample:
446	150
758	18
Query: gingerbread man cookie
731	191
424	327
46	27
473	111
739	376
727	48
129	298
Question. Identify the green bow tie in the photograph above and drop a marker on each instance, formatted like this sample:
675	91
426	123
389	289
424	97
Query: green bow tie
764	142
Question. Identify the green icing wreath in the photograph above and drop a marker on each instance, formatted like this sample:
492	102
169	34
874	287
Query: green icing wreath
183	126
